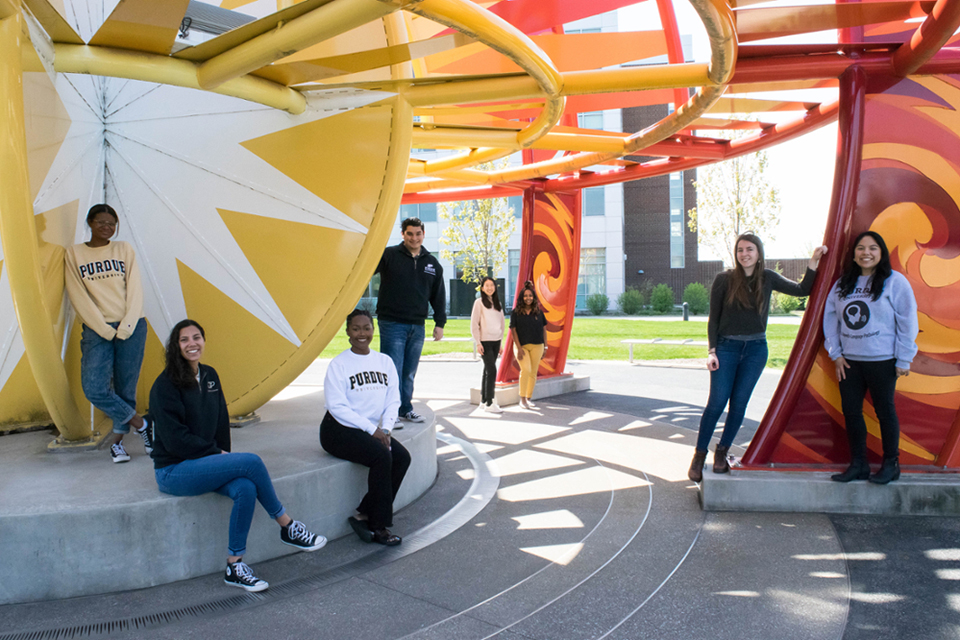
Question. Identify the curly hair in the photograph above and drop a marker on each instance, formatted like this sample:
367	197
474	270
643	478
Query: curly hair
520	307
177	368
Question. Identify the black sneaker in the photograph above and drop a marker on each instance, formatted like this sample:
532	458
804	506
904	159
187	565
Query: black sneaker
296	535
412	416
239	575
146	434
118	453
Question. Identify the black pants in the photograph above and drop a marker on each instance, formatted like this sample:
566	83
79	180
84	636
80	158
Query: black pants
491	349
880	378
387	467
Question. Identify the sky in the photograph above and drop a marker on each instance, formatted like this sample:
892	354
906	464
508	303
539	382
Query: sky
801	169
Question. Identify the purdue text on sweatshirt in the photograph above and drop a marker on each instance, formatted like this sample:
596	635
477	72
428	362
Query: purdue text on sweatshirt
861	328
408	284
188	423
104	287
362	392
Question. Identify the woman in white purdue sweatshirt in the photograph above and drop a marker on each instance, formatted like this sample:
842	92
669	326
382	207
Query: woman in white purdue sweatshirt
103	283
870	331
486	327
362	395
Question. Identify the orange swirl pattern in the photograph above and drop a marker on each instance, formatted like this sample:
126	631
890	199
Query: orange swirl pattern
550	257
910	194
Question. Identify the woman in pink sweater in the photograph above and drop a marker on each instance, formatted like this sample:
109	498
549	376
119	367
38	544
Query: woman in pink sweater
486	327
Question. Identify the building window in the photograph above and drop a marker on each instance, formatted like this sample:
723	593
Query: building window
427	211
513	269
676	220
369	299
593	201
590	120
516	203
593	275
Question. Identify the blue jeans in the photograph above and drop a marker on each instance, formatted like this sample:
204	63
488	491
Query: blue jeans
403	343
741	363
242	477
109	371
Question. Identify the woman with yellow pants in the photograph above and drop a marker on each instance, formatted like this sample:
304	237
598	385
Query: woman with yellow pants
529	331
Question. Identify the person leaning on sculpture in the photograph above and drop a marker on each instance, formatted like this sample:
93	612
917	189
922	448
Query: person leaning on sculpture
362	394
103	282
529	332
191	453
410	280
870	330
739	304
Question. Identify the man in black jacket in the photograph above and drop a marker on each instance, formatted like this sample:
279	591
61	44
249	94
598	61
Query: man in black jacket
410	278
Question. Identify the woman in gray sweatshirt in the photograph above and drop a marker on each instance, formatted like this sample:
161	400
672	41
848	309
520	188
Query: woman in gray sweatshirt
870	331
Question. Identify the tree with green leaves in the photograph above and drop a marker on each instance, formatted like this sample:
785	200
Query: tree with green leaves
478	234
734	197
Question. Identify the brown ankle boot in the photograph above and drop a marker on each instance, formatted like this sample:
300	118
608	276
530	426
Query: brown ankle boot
696	466
720	464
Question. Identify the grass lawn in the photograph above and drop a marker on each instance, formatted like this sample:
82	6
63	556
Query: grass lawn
599	339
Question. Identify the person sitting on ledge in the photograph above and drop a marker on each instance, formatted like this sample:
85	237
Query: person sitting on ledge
362	395
191	452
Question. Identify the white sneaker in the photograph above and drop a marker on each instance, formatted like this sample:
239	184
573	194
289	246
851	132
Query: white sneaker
530	404
118	453
523	403
492	408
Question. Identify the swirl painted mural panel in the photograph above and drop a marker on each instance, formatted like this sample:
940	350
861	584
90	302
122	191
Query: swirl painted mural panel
909	192
550	257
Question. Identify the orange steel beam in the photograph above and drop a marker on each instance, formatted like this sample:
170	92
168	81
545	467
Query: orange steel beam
935	31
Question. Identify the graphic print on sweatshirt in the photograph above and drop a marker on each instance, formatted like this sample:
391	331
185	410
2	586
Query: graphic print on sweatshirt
103	269
856	315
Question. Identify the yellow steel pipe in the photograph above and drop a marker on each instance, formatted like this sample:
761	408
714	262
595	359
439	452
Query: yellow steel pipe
452	137
324	22
117	63
18	234
719	22
498	34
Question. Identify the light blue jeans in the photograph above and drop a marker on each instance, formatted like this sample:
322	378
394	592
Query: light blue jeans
403	343
242	477
741	363
109	371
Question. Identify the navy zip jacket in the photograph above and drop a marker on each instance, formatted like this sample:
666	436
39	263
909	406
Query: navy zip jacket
407	284
188	423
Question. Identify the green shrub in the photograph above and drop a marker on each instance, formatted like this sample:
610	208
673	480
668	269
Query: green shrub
598	303
697	298
662	298
630	302
782	303
646	292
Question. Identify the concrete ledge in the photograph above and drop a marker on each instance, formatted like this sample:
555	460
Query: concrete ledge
814	492
510	394
78	524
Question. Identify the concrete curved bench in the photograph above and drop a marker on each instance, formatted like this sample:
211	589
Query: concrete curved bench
77	524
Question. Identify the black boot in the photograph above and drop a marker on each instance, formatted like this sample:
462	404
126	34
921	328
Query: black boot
889	471
696	466
720	464
858	470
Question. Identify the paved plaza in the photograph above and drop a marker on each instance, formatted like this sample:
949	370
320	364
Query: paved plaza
573	521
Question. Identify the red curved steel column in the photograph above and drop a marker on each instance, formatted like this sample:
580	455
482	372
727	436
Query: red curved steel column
846	182
550	257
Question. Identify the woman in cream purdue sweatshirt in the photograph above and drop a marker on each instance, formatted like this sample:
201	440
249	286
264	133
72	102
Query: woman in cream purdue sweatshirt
103	282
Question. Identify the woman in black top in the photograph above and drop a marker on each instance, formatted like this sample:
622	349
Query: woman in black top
529	331
739	303
191	452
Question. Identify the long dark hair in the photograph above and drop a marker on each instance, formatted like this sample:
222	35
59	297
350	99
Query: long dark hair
746	290
848	281
520	307
493	300
177	368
